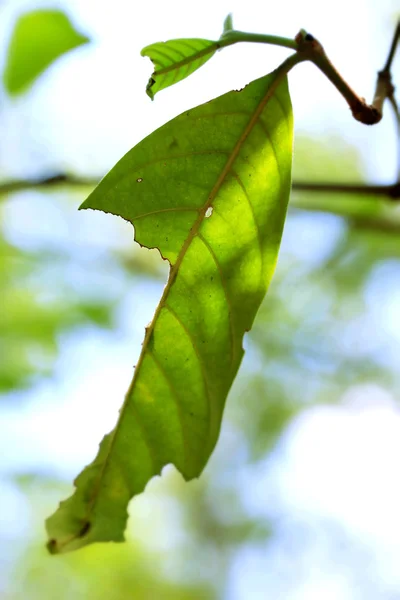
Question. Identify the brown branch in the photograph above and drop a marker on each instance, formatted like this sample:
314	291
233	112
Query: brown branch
376	222
396	112
369	114
392	51
384	85
43	183
391	192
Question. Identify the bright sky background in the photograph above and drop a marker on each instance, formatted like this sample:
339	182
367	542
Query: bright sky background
327	460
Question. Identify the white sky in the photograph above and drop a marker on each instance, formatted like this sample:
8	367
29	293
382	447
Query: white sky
335	463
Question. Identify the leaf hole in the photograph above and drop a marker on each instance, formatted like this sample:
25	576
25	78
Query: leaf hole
139	179
209	212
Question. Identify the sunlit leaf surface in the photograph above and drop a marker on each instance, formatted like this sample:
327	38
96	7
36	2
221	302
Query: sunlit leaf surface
38	39
209	189
175	60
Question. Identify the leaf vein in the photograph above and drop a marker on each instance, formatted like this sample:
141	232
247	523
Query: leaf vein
286	117
166	210
241	185
177	402
207	50
162	54
267	134
164	159
142	428
218	114
227	297
197	353
193	47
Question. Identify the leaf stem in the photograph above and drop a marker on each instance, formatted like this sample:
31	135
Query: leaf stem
233	36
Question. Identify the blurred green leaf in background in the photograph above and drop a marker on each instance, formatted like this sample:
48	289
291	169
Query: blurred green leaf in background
38	39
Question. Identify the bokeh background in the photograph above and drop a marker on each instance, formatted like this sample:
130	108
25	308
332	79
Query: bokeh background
300	500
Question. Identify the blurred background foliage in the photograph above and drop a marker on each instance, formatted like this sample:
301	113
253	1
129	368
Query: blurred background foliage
66	278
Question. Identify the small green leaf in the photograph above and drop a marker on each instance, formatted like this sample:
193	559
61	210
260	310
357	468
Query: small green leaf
210	190
175	60
38	39
228	24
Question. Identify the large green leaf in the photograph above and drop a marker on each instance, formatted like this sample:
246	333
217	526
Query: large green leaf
38	39
210	190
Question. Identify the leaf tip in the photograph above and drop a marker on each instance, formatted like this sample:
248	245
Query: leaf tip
84	204
228	24
83	39
149	86
52	546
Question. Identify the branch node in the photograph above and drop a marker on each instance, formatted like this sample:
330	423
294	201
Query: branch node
365	113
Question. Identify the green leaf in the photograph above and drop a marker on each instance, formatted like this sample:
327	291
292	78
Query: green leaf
228	24
175	60
210	190
38	39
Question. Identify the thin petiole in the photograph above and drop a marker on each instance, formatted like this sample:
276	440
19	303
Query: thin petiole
233	36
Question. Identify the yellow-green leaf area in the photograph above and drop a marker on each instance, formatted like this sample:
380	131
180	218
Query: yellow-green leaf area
209	189
38	39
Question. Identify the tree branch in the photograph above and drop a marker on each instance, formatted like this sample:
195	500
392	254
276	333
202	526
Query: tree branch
391	192
388	223
369	114
392	51
43	183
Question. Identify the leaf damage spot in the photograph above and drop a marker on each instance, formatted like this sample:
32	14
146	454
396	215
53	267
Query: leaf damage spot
139	179
84	530
149	91
208	212
52	546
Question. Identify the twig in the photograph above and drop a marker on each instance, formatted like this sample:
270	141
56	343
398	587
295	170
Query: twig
233	36
389	191
397	117
369	114
392	51
11	187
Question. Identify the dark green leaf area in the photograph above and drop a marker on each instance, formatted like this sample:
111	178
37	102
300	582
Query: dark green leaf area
175	60
210	190
38	39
